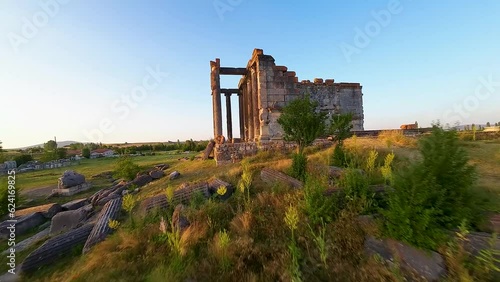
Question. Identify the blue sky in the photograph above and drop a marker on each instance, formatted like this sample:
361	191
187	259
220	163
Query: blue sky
67	66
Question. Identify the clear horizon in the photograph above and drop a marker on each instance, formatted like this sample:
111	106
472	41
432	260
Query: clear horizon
78	70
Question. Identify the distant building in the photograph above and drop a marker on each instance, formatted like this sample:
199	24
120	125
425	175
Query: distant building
99	153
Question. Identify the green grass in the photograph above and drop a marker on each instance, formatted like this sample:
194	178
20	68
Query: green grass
41	178
257	250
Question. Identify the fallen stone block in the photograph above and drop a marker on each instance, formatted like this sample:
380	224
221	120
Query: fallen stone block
72	190
426	265
110	211
48	210
158	202
179	221
272	176
23	224
26	243
156	174
67	220
142	180
75	204
162	166
55	248
208	150
213	186
174	175
105	200
183	195
70	179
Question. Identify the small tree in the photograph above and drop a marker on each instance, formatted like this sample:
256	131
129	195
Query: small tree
86	153
340	127
126	168
22	159
488	124
302	123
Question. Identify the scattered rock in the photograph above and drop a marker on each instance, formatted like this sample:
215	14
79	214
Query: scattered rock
158	202
272	176
142	180
162	166
335	172
23	224
179	221
56	247
67	220
118	181
48	210
105	200
427	265
70	179
156	174
174	175
26	243
75	204
110	211
215	184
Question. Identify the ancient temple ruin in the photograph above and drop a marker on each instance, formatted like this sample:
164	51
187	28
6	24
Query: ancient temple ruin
264	89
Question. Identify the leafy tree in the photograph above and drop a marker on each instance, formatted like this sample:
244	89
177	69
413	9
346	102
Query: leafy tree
50	146
126	168
301	122
488	124
340	127
22	159
86	153
61	153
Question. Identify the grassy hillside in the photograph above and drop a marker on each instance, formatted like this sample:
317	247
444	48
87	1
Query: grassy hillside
255	239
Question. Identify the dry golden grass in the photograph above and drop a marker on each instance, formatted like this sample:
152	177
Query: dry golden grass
258	235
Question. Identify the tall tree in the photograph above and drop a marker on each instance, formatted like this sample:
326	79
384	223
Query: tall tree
301	122
50	146
86	153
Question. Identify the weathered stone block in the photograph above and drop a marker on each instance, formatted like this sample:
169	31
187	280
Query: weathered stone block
67	220
72	190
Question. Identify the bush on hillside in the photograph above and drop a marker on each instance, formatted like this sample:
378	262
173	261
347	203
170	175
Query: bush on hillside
432	194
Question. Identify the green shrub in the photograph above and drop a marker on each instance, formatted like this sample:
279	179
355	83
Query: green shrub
318	207
355	187
410	216
339	158
126	168
433	194
299	166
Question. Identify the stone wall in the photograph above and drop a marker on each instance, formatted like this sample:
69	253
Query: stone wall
277	86
234	152
265	88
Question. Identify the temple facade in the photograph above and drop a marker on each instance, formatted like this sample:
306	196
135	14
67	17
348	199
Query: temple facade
265	88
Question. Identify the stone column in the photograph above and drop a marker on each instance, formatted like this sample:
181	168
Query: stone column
250	111
255	106
242	125
229	119
216	101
